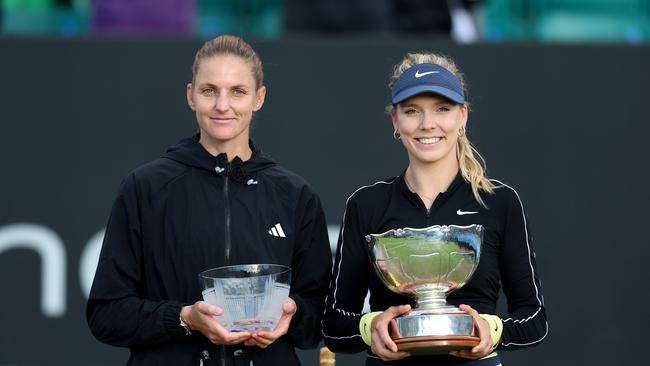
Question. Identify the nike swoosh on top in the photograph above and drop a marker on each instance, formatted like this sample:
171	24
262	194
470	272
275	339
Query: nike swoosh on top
418	75
460	212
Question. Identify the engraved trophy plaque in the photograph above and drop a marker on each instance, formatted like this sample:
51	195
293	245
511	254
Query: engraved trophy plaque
427	264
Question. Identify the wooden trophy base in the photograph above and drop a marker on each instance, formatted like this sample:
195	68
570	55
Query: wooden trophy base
435	345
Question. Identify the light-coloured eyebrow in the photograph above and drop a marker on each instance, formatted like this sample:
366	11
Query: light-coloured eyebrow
240	86
437	103
408	104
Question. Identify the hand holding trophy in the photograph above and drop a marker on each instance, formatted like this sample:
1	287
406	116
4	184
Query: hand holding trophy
428	264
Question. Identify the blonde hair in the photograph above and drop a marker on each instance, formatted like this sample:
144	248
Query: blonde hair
472	170
230	45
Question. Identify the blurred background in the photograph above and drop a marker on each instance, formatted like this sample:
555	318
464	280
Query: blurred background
92	89
626	21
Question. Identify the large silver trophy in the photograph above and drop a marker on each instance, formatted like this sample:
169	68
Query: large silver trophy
428	264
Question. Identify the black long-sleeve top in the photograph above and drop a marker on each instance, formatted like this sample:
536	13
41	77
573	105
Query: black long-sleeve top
507	259
190	211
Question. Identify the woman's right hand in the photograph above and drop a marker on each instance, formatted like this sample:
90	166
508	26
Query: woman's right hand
200	317
382	326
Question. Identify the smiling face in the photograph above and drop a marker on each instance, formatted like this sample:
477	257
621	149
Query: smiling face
224	96
429	126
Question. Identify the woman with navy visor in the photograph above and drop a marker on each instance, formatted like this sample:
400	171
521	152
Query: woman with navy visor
444	184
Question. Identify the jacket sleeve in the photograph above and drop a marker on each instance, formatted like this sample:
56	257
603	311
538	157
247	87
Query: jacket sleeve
311	268
348	287
525	324
116	311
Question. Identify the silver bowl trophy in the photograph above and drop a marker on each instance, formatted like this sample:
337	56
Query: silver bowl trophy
427	264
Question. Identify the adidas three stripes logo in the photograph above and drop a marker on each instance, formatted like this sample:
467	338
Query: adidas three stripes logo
277	231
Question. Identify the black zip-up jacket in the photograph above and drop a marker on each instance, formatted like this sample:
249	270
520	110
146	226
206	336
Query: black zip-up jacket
507	259
190	211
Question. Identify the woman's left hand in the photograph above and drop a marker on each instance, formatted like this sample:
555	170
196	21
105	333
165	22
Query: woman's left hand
485	347
263	339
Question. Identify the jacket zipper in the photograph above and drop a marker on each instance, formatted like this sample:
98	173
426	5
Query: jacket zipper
226	205
427	211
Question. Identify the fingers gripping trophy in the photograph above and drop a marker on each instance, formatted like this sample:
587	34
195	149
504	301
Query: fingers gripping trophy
428	264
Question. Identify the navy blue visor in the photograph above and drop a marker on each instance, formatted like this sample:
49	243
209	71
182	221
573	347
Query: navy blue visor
427	78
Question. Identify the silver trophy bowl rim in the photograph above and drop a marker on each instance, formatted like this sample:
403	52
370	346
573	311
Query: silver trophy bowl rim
402	231
255	270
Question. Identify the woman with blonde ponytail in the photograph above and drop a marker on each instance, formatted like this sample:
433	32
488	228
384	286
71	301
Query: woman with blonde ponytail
444	184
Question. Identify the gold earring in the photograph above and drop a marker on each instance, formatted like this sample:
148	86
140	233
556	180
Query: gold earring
461	132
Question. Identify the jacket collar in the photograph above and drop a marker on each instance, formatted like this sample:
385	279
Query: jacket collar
455	184
190	152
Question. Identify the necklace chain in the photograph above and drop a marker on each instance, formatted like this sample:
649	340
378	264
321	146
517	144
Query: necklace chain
413	190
